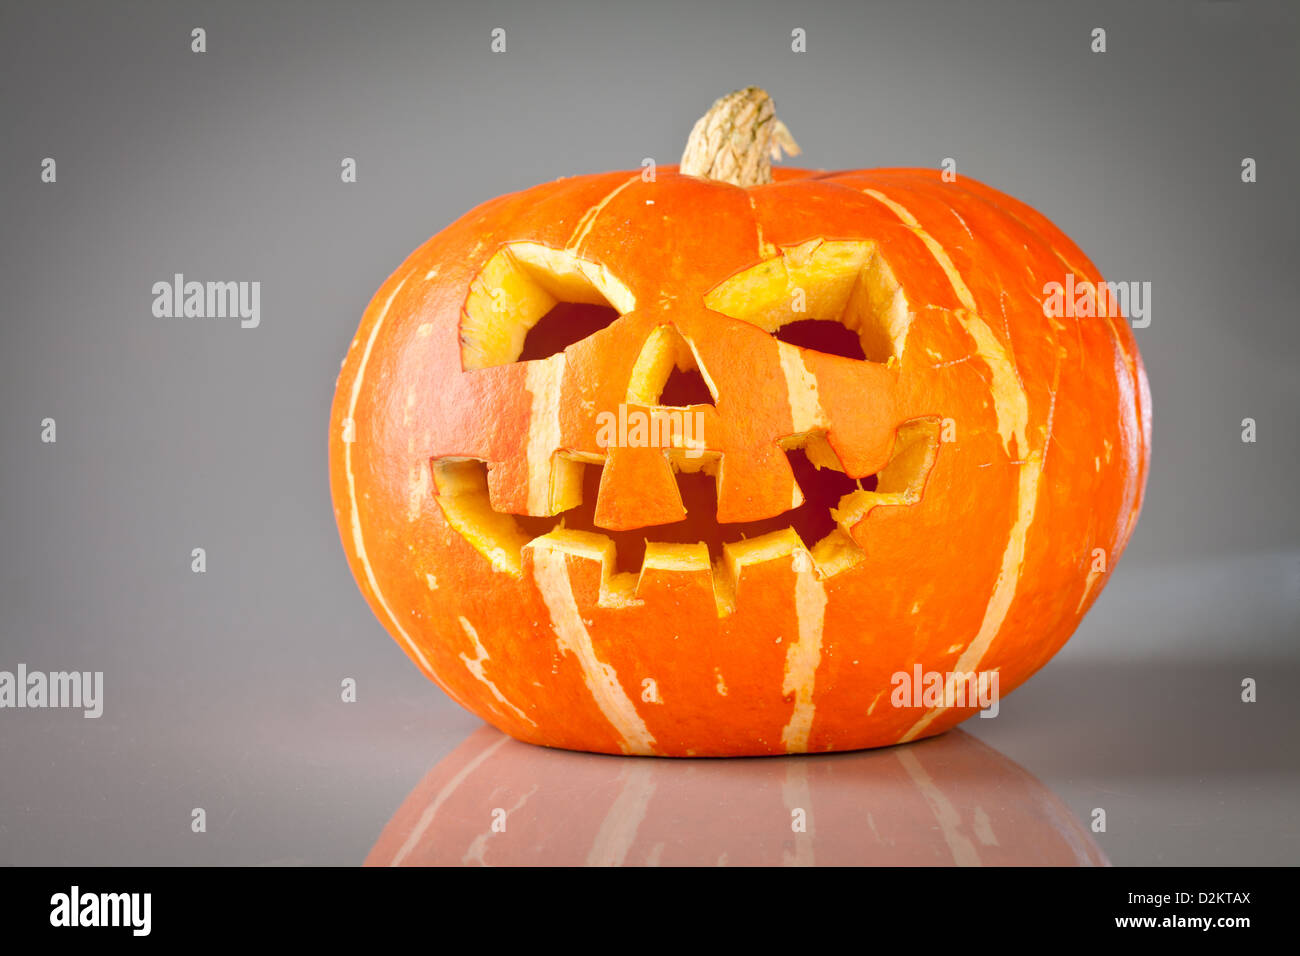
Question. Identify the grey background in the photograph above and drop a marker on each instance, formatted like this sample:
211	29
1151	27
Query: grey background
223	688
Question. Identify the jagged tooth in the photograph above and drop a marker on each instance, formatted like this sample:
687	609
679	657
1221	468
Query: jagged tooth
560	486
755	484
681	572
837	552
664	556
796	495
692	461
754	569
589	545
590	558
853	507
740	558
724	589
900	482
817	446
565	482
637	489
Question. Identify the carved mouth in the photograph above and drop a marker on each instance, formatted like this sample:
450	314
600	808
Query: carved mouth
816	536
823	489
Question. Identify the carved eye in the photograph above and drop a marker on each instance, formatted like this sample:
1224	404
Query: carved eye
530	302
823	335
837	297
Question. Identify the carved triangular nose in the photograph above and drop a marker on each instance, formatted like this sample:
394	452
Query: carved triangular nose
685	387
657	428
668	372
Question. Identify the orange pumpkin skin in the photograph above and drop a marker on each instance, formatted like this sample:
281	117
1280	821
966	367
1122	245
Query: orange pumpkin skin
952	801
1001	518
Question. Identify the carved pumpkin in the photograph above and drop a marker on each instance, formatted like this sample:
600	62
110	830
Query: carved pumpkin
691	462
952	801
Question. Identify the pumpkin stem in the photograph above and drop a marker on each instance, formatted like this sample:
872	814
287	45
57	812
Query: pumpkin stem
737	139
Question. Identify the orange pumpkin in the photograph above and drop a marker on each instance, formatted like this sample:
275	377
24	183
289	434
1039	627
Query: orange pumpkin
952	801
697	461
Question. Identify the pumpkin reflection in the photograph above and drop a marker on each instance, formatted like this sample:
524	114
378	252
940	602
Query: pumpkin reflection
948	800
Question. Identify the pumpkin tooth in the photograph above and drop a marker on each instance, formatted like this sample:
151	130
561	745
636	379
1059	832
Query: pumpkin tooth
637	488
593	558
670	568
817	447
776	545
902	480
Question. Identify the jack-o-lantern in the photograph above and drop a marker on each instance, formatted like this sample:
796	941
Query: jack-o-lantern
702	461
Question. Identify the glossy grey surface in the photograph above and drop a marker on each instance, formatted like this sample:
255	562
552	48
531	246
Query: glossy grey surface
223	688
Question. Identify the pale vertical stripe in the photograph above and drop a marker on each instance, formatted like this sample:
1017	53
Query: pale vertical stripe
475	667
963	850
802	659
936	249
358	541
417	490
1133	400
1004	591
801	389
544	383
551	572
806	412
1011	407
617	833
426	818
1010	403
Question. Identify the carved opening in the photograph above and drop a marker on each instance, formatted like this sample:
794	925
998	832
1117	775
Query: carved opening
668	372
525	283
823	488
564	325
833	504
823	335
685	388
845	282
